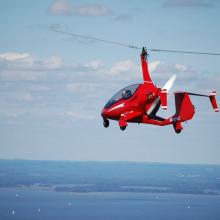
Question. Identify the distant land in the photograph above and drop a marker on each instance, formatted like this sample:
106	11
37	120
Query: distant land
88	177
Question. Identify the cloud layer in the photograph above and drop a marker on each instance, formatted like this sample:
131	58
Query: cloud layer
53	88
23	66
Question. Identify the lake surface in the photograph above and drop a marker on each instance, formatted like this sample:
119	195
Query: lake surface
30	204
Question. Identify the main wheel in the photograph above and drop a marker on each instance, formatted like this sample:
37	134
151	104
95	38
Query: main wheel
177	127
122	128
105	123
178	130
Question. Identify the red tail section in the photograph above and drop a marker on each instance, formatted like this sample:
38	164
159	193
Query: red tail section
213	101
212	98
184	107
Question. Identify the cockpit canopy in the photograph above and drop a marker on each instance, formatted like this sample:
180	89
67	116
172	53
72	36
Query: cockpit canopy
124	93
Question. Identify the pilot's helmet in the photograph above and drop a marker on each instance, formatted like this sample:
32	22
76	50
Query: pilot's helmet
126	93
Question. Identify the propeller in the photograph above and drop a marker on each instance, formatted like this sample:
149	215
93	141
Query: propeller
163	95
169	83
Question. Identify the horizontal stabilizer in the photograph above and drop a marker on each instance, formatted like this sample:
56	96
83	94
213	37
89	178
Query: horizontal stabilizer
212	98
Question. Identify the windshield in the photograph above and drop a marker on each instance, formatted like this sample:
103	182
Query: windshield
125	93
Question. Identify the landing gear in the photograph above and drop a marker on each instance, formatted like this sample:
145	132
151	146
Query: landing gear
105	122
177	127
122	124
123	128
178	130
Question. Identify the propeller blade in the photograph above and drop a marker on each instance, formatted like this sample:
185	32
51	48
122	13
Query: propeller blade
169	83
166	87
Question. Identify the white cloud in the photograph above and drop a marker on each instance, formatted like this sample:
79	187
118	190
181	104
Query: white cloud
153	65
25	61
122	67
95	64
180	67
80	87
23	66
164	70
92	10
85	77
24	75
11	56
53	62
65	7
61	7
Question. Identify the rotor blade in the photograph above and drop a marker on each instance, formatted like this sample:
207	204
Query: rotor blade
182	51
58	30
94	38
169	83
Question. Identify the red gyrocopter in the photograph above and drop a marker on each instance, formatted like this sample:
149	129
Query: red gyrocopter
139	103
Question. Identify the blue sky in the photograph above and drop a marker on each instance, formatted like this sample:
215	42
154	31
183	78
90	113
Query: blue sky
53	87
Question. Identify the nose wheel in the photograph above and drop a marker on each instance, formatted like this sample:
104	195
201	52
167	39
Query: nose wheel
105	122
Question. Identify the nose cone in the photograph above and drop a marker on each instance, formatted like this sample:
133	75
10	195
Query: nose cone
107	113
104	113
112	112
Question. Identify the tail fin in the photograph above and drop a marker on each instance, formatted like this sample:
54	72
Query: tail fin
213	101
184	107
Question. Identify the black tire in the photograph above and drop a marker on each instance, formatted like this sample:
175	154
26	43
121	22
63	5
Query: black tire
122	128
105	123
178	131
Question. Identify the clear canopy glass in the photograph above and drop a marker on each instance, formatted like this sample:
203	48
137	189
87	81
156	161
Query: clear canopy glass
124	93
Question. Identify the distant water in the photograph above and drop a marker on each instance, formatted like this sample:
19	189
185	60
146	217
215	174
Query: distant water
29	204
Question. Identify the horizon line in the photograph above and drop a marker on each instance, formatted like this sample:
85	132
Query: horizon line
110	161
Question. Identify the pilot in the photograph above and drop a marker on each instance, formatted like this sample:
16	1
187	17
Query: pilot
126	94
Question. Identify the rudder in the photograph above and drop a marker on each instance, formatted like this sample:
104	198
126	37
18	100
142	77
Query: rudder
213	101
184	108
